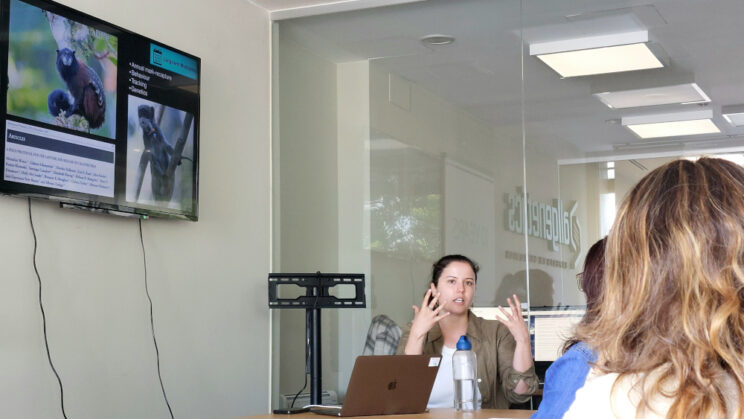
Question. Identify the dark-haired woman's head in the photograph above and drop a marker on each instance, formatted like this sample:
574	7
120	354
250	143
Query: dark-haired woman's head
591	277
439	266
590	281
453	279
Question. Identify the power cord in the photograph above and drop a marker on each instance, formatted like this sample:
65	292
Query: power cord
43	315
152	321
299	392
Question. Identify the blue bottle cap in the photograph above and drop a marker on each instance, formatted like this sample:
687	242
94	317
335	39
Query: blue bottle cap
463	344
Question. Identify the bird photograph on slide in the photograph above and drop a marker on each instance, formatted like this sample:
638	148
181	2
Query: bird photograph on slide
61	72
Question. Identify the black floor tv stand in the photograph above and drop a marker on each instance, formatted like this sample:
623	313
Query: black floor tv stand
316	296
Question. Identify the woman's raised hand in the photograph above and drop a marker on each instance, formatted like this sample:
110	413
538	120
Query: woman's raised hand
428	315
514	321
423	320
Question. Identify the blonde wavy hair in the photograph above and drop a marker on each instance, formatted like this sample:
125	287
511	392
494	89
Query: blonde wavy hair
673	297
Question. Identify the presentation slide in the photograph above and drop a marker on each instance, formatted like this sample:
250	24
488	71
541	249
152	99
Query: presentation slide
95	115
51	159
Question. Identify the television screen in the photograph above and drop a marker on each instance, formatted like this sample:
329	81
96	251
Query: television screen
96	116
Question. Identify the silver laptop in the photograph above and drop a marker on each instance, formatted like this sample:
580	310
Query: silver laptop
387	385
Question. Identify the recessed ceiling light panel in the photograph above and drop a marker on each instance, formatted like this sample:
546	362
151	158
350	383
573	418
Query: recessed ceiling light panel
598	54
675	129
663	95
672	124
589	42
605	60
733	114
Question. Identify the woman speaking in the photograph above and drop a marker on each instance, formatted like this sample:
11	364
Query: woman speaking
505	367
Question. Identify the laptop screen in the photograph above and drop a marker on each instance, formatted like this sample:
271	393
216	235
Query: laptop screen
390	384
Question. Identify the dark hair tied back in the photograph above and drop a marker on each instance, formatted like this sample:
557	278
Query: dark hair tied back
442	263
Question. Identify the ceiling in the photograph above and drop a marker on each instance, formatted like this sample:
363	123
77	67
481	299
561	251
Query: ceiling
482	71
273	5
287	9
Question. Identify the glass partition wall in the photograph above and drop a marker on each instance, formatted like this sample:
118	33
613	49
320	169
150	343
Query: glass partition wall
495	129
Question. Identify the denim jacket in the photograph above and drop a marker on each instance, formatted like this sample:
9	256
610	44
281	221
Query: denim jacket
564	377
494	346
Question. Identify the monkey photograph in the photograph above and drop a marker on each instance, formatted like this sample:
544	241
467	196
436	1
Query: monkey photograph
61	72
160	155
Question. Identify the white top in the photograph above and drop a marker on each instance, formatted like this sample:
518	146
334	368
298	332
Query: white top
597	400
443	392
594	400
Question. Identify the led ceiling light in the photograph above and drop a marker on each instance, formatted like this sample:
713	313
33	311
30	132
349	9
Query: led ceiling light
648	88
672	124
734	115
663	95
600	54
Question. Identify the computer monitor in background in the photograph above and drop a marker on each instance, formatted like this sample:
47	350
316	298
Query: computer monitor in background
550	327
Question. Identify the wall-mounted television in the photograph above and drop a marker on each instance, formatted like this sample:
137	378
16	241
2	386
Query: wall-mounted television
95	116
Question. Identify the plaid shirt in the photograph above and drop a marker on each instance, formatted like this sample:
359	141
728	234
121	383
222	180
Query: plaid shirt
382	337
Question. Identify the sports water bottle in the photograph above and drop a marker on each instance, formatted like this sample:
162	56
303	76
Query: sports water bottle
464	372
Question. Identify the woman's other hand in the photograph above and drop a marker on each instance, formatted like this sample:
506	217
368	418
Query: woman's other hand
522	360
514	321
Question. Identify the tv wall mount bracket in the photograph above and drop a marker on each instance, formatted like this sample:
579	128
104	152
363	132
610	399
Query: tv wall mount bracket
317	295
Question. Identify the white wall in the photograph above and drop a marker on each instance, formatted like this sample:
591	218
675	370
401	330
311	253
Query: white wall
324	181
430	123
353	217
308	209
207	279
440	129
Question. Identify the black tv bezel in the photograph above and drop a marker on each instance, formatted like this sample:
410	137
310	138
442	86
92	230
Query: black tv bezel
118	204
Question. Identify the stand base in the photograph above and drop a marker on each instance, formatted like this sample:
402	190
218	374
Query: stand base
291	411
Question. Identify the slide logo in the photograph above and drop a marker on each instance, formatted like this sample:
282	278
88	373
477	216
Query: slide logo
173	61
157	56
